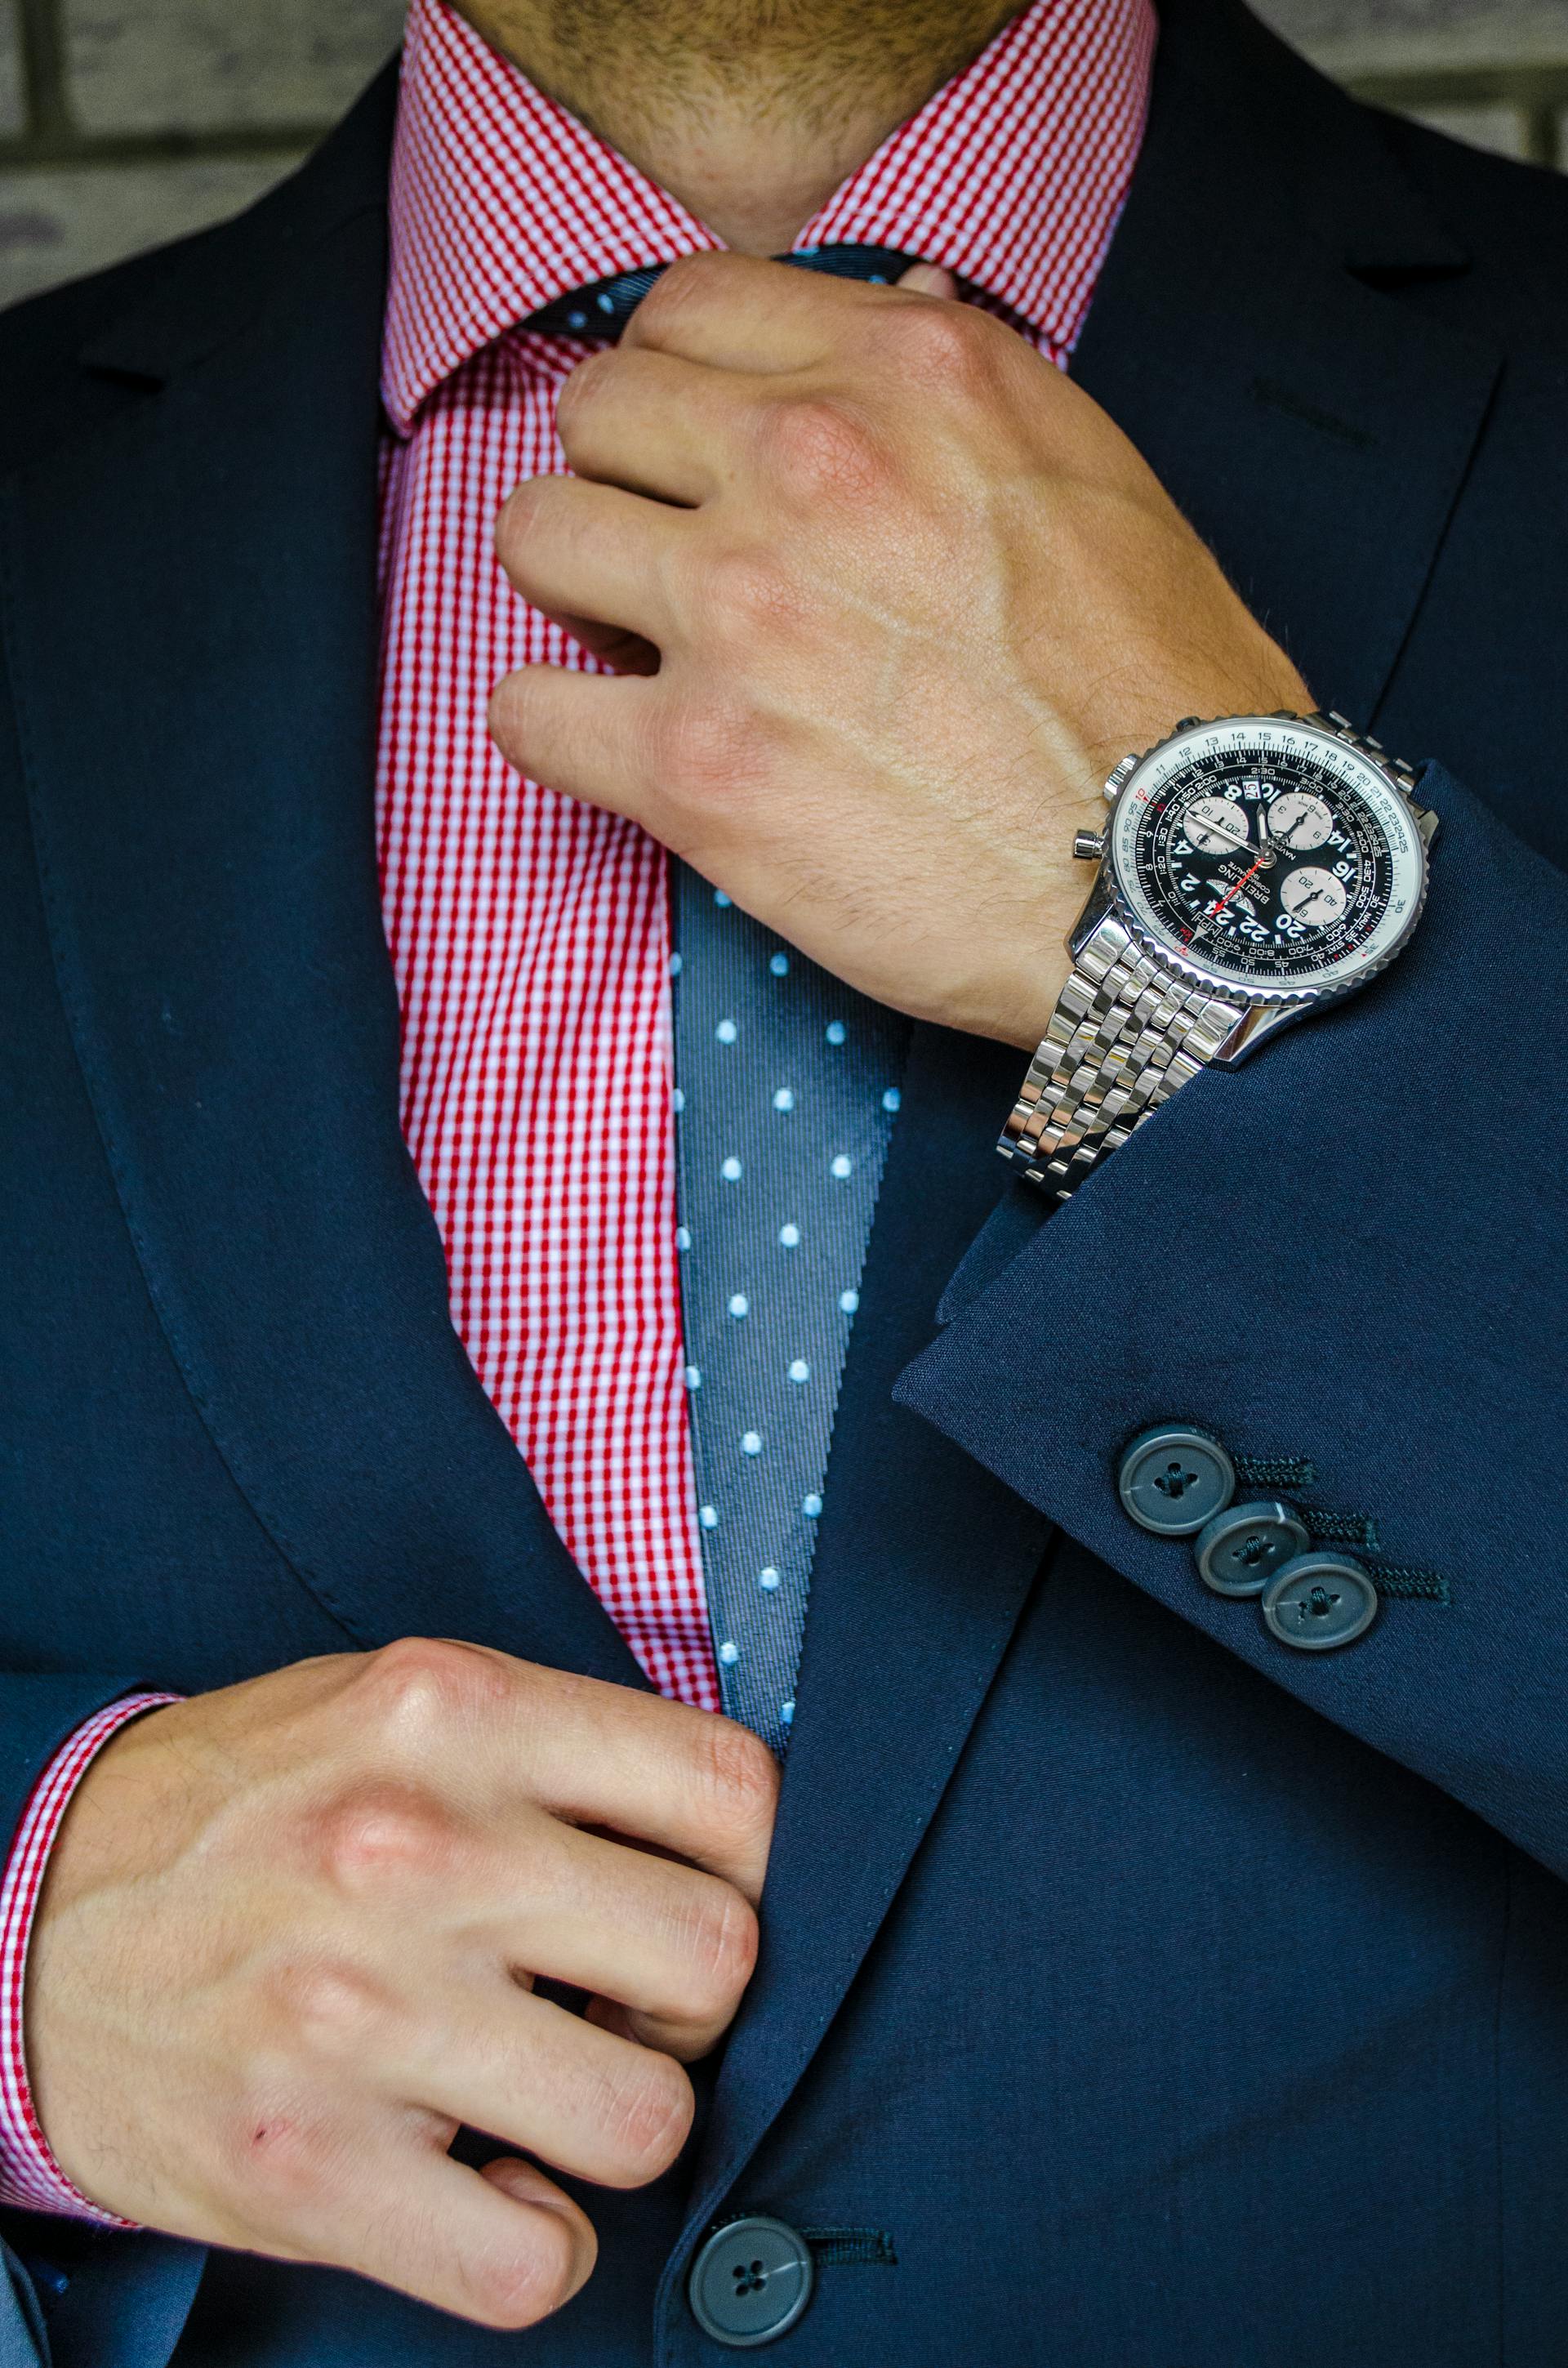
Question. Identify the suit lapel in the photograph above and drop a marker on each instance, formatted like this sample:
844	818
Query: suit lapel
1248	335
192	637
1315	431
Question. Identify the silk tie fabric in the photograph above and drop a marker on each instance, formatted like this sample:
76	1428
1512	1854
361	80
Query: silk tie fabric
787	1085
603	308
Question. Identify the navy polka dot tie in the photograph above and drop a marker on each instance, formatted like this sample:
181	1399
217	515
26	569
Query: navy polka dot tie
787	1085
604	307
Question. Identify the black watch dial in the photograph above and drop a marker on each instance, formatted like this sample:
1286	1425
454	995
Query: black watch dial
1268	861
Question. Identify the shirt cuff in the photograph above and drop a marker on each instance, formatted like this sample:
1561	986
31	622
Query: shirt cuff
30	2176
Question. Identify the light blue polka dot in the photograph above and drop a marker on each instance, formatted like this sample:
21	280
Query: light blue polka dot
693	1377
786	1714
708	1516
811	1506
606	303
835	1032
674	965
779	964
719	899
683	1237
576	319
790	1237
751	1442
768	1580
726	1031
729	1654
800	1371
731	1169
783	1099
678	1098
739	1303
850	1301
892	1099
841	1165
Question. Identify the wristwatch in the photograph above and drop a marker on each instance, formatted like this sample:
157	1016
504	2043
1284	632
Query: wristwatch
1251	870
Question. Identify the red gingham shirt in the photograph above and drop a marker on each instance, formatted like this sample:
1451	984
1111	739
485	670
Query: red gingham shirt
530	935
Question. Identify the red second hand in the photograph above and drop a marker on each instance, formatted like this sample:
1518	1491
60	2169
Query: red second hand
1215	910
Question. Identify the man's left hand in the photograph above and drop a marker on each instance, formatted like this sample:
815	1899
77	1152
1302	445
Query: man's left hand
888	595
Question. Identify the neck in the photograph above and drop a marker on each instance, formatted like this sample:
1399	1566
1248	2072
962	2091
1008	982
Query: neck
751	112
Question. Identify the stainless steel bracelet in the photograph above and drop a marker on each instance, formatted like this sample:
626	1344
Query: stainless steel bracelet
1125	1033
1127	1030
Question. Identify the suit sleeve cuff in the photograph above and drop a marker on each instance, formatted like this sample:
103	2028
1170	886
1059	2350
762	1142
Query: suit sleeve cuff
30	2176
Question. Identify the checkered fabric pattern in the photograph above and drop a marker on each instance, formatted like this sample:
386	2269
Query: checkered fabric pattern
28	2173
529	936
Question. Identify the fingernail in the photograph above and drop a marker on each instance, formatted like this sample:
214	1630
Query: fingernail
929	279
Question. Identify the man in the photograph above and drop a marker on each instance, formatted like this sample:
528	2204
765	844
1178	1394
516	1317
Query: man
421	1364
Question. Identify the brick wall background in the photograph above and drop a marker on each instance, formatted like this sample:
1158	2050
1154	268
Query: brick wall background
123	122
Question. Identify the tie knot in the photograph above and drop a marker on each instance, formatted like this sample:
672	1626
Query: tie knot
603	307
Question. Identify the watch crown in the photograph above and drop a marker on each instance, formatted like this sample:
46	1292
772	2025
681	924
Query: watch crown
1114	785
1088	846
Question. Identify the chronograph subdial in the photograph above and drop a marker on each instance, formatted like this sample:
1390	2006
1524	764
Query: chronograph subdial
1215	826
1298	821
1314	896
1266	852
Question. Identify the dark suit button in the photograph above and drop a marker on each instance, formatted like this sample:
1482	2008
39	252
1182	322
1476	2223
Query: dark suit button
1174	1478
1239	1551
1318	1601
751	2282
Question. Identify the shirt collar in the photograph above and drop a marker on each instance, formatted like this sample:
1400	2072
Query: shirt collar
1012	174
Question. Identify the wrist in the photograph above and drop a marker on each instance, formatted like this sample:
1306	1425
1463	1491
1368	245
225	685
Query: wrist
1031	989
1251	867
31	2174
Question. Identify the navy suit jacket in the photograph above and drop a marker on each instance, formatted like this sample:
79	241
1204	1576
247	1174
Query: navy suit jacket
1155	1996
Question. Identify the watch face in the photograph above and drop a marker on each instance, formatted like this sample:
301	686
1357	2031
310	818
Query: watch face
1269	854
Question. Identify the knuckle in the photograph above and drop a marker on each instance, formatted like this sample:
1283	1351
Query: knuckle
515	2286
700	749
421	1686
648	2117
329	2008
742	1778
936	344
748	593
519	515
580	390
724	1935
508	713
819	449
683	284
384	1833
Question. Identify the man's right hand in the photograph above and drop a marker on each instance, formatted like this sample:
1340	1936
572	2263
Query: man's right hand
287	1944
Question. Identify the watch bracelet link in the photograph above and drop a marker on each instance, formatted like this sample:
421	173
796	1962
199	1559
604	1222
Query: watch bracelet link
1127	1030
1405	775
